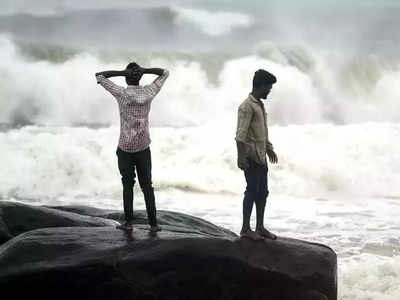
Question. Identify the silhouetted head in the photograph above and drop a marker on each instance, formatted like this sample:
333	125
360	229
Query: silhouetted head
132	80
262	83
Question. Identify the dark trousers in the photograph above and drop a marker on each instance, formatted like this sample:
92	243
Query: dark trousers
140	162
256	191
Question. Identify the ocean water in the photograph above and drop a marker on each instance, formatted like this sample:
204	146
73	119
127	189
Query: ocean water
333	115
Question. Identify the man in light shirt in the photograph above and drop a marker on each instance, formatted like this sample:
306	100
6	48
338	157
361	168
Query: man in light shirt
253	146
133	152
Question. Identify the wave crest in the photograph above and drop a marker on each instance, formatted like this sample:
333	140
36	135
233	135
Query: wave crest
212	23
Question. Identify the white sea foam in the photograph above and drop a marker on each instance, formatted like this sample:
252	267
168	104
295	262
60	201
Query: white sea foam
327	186
212	23
314	160
65	93
337	178
370	278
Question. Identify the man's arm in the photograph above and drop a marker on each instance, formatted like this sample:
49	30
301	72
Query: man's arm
153	88
154	71
114	89
108	74
273	158
244	118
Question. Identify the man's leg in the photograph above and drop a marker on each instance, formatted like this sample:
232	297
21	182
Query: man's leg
143	167
249	196
261	201
127	170
262	195
247	209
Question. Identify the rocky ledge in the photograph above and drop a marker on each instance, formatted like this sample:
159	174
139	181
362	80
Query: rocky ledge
75	252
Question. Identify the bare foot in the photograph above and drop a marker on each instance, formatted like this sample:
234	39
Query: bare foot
126	226
267	234
155	229
251	235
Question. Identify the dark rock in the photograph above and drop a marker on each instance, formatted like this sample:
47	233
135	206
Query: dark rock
17	218
178	220
5	234
87	210
178	263
315	295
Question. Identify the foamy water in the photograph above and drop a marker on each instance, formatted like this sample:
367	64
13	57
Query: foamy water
333	115
343	195
313	87
354	160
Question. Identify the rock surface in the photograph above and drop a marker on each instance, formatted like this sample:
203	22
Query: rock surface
179	220
190	259
16	218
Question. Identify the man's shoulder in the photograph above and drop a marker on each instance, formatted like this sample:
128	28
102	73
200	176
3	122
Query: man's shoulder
246	104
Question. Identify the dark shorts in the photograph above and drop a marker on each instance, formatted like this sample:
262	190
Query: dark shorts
257	179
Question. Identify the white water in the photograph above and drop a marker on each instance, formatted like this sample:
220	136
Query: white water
358	160
214	24
334	184
47	93
334	116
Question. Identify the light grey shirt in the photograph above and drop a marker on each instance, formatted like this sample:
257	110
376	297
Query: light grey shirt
252	130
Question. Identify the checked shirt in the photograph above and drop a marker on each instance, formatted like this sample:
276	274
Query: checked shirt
134	104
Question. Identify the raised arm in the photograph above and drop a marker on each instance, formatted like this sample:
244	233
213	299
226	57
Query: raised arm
153	88
114	89
155	71
108	74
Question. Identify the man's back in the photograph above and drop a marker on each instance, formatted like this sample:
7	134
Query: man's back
133	152
134	104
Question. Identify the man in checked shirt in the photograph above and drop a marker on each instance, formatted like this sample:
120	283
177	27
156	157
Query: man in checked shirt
133	150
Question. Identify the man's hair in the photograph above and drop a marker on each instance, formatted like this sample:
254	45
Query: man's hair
262	77
132	80
131	65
